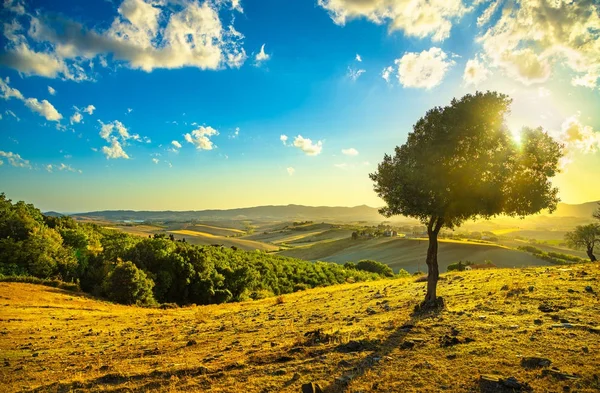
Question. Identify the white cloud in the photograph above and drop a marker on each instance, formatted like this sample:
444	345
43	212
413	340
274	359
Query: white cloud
416	18
76	118
15	159
262	56
290	171
62	167
350	152
355	74
9	92
11	113
578	137
423	70
176	144
358	58
235	134
51	91
283	139
200	138
143	35
44	108
533	37
115	150
155	160
107	130
475	72
485	17
341	166
307	146
386	73
89	109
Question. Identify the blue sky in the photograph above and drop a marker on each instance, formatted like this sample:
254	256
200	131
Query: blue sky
177	105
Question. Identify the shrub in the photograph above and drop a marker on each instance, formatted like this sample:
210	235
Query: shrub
127	284
460	266
369	265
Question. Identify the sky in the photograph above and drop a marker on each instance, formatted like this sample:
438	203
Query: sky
191	105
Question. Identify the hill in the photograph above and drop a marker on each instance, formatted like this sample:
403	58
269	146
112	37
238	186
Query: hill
410	254
291	212
347	338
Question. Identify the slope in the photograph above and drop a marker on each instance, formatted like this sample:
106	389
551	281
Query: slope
347	338
409	254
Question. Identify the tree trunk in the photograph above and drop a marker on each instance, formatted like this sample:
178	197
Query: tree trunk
433	272
590	252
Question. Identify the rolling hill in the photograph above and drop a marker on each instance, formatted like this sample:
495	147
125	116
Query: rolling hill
291	213
409	254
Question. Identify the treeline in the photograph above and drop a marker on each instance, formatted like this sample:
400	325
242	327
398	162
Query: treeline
552	257
135	270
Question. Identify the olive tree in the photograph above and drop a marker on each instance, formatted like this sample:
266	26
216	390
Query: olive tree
461	162
585	237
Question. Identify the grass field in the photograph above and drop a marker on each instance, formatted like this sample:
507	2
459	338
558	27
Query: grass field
348	338
196	237
410	254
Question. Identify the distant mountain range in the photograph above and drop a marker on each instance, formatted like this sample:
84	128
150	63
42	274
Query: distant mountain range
286	213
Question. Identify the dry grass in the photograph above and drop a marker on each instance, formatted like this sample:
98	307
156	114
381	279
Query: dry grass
362	334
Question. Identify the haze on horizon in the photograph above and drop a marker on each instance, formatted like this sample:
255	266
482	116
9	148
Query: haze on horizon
216	104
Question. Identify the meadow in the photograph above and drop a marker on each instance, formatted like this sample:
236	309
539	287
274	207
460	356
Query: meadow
345	338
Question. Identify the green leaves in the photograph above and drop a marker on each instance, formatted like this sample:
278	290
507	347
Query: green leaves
460	162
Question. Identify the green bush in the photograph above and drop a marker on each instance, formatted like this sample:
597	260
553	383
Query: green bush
68	286
531	249
369	265
459	266
127	284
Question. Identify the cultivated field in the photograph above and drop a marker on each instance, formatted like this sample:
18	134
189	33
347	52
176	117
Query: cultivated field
410	254
347	338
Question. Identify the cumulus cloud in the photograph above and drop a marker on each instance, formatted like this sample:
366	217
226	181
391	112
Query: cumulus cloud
423	70
15	159
113	132
290	171
200	138
9	92
43	108
416	18
341	166
115	150
283	139
107	130
532	37
51	91
143	35
475	72
89	109
155	160
76	118
262	56
358	58
577	137
355	74
307	145
176	144
350	152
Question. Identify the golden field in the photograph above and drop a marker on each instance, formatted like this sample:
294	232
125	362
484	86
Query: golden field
348	338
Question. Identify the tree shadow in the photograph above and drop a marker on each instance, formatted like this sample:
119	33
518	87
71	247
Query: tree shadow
396	340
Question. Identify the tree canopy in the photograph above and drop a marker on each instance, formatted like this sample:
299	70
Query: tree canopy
461	162
585	237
